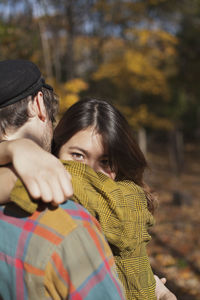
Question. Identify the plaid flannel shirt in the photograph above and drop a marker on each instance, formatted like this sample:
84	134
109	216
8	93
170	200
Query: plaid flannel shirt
55	254
121	209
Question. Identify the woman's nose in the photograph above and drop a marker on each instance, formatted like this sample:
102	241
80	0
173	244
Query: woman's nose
92	164
97	168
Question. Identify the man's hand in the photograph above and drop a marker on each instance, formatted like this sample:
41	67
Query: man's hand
162	292
42	173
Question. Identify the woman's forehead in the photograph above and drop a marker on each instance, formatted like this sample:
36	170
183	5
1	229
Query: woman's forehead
88	139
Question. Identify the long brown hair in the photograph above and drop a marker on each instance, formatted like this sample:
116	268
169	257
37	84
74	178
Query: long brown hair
125	157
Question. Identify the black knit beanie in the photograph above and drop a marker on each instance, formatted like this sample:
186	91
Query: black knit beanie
19	79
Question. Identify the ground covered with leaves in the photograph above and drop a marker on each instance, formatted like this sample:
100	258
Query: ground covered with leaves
175	247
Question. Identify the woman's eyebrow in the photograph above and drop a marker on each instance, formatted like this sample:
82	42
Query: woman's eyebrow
79	149
104	156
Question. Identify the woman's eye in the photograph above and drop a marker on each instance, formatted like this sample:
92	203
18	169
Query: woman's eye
105	163
77	156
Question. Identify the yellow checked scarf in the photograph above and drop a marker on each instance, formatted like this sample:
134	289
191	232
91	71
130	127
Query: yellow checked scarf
121	209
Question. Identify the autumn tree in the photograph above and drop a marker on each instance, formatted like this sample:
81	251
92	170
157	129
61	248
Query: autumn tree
136	53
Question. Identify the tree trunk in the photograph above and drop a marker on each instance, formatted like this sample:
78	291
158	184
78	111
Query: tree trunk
176	151
142	140
176	155
70	65
46	49
57	63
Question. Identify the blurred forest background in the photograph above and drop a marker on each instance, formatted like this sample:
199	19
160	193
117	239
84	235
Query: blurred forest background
144	56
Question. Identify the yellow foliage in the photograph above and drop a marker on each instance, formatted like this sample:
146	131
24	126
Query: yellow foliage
144	67
69	92
67	101
83	45
141	116
135	62
152	35
75	85
108	70
135	70
113	45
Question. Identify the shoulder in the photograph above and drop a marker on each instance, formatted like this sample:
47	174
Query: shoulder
55	243
82	259
64	219
57	237
79	214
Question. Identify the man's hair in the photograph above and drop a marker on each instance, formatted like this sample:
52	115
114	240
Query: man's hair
16	115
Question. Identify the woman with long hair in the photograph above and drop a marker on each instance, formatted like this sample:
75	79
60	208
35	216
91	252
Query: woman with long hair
94	132
124	156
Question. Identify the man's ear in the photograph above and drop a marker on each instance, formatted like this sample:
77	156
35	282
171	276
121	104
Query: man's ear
37	107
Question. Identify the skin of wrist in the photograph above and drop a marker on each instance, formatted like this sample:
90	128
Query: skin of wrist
12	147
5	153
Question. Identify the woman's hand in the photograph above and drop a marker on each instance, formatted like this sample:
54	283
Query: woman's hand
42	173
162	292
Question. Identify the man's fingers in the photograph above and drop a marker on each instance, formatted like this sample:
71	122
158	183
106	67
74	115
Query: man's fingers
57	192
52	187
45	190
33	188
66	184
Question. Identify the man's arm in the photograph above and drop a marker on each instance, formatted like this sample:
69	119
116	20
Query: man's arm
43	174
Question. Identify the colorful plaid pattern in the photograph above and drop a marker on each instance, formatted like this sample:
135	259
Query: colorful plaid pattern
55	254
121	209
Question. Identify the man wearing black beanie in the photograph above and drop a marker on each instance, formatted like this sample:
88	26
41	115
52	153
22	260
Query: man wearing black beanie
56	252
27	110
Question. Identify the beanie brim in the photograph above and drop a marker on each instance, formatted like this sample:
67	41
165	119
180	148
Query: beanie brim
33	89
